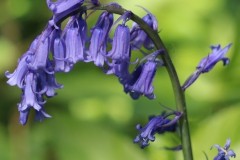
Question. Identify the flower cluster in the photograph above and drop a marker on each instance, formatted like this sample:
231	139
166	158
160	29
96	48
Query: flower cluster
157	124
224	153
58	48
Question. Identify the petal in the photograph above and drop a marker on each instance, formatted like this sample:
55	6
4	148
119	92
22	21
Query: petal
40	57
97	48
227	145
23	116
121	44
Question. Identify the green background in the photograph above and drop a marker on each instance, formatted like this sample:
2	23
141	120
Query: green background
93	119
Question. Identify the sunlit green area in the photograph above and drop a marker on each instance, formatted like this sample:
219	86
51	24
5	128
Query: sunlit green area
93	119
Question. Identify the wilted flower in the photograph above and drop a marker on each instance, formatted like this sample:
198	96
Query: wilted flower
207	63
157	124
224	153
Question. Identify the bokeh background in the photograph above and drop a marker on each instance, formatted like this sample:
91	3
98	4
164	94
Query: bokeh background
93	119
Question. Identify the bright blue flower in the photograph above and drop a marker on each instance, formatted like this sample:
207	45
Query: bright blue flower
207	63
224	153
157	124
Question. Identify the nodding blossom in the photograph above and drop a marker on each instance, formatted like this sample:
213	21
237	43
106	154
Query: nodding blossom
138	37
224	153
99	39
61	9
140	81
207	63
156	125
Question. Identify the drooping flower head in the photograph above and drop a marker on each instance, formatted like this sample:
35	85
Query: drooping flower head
99	38
224	153
121	44
62	8
75	38
140	82
156	125
208	62
138	37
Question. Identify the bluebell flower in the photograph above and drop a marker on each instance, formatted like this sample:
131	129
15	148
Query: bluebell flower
140	82
120	69
46	84
36	85
120	53
105	22
40	55
138	37
58	48
156	125
121	44
97	48
207	63
75	38
224	153
62	8
99	38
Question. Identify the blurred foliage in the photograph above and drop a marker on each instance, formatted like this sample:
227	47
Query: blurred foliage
93	119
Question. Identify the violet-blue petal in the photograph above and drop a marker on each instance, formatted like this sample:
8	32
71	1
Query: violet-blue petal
218	54
75	39
120	69
72	40
58	50
40	56
224	153
157	124
207	63
142	83
23	117
138	37
105	22
41	115
121	44
17	77
47	84
62	8
97	48
29	98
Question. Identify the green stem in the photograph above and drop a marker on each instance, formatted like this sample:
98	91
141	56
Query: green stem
178	92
